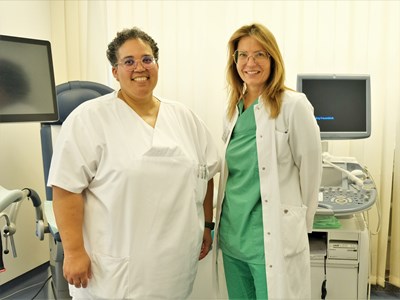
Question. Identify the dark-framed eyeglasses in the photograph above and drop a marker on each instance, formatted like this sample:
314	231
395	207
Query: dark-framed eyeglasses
129	63
242	57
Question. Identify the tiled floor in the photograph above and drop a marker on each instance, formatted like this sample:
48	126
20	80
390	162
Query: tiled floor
37	284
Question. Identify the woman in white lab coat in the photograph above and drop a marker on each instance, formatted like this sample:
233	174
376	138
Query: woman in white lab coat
270	179
132	183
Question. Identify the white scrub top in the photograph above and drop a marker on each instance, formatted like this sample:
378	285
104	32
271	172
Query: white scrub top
144	189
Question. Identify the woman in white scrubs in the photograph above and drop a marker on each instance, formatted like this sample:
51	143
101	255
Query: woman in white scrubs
132	177
270	180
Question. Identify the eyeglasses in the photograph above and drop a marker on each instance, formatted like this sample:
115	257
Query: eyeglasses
129	63
242	57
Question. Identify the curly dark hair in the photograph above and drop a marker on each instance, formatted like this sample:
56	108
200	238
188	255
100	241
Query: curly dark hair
128	34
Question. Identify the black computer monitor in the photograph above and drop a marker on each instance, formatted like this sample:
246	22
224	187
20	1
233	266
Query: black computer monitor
342	104
27	87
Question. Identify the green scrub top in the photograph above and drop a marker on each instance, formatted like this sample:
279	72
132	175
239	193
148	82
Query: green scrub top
241	226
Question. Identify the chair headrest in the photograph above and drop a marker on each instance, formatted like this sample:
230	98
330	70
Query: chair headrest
73	93
70	99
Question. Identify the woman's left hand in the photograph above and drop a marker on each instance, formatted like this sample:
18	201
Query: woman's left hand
207	243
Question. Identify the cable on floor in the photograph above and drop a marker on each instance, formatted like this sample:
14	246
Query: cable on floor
41	288
26	288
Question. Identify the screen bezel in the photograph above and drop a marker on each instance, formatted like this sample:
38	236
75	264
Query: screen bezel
343	135
41	116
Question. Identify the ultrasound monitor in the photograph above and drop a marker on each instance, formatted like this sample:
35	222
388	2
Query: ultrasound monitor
342	104
27	86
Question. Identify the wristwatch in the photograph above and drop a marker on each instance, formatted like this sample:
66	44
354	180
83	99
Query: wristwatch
209	225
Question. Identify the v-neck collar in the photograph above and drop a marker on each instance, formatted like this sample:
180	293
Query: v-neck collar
240	106
139	117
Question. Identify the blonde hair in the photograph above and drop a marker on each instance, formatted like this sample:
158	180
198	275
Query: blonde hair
274	86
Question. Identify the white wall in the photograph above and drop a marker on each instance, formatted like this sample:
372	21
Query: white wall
20	150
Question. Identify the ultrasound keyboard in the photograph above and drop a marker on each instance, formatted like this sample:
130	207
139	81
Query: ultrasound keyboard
340	195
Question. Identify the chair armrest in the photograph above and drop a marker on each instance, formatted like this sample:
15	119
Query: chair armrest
48	211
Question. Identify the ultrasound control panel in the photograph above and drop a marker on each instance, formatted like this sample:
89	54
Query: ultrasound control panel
340	194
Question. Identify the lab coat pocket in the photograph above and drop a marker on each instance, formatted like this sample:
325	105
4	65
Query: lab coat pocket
110	277
294	229
201	183
283	153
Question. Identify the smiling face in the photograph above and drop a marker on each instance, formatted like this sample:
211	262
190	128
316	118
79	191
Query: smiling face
139	82
253	71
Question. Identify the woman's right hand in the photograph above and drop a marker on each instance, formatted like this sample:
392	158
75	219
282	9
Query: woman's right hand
69	213
77	269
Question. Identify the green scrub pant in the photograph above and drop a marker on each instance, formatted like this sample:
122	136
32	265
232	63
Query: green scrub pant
245	280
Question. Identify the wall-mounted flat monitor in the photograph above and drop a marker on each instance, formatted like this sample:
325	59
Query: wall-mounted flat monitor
27	86
342	104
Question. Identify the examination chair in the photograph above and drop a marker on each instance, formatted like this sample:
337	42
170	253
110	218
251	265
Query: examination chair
69	96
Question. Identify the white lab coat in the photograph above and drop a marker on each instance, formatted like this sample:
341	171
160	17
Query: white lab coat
290	168
144	189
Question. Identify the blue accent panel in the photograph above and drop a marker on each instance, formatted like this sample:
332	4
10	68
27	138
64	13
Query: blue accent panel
47	150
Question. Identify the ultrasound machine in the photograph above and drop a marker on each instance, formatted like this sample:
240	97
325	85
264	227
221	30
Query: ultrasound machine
342	108
340	253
